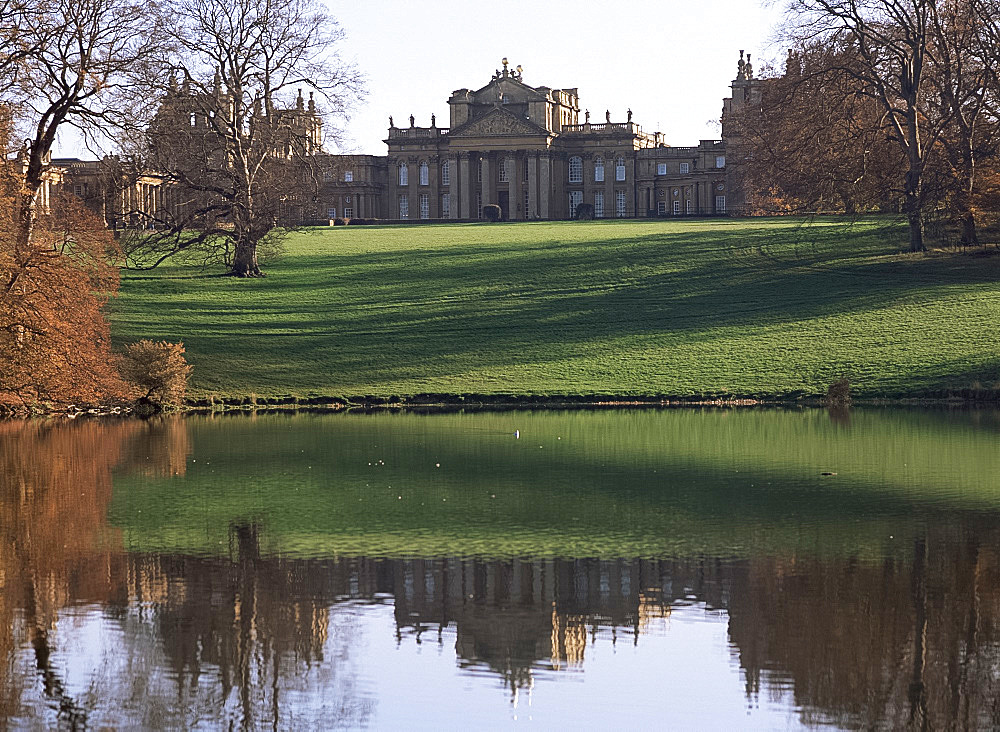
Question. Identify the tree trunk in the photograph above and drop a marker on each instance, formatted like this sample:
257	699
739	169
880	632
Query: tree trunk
245	260
916	222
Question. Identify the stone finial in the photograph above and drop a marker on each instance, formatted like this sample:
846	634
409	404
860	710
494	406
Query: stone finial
312	103
299	102
749	68
741	68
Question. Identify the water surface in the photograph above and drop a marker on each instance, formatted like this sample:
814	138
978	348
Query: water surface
598	569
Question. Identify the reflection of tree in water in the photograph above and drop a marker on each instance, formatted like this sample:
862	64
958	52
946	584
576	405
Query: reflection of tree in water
908	639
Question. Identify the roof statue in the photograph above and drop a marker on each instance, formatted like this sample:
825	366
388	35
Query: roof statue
741	68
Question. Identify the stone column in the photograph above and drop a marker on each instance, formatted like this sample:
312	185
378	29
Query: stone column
487	175
453	186
532	163
544	184
464	186
515	188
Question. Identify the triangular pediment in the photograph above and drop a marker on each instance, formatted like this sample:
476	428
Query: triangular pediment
498	123
513	90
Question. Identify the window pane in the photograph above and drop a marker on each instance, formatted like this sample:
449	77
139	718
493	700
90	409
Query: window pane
575	169
599	205
403	175
404	207
445	174
599	170
620	169
685	167
661	169
424	174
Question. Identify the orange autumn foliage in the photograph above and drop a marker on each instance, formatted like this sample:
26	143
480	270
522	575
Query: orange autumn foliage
55	344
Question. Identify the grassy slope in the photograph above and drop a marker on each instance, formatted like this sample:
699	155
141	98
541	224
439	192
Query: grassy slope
658	307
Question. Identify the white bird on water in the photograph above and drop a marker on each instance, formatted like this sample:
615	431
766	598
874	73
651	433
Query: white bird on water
517	434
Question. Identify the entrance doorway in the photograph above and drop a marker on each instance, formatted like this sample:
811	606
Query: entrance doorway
503	199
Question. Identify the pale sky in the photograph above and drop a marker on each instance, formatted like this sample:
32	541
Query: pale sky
670	62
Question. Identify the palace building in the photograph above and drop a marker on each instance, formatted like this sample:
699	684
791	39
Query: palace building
532	150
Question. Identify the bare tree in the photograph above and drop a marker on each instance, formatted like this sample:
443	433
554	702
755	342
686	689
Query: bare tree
71	62
230	138
889	40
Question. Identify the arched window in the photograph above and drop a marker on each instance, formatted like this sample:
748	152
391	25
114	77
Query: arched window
445	174
404	177
502	172
576	169
424	174
599	170
620	169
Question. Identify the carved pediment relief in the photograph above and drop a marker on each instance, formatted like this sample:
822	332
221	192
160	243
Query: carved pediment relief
497	123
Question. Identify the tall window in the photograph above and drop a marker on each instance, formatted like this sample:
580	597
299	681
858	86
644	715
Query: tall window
404	177
620	204
620	169
479	171
720	204
524	176
527	198
446	205
661	208
348	176
689	206
685	167
720	161
599	170
479	205
424	174
404	206
445	174
331	213
425	206
502	171
661	168
677	208
575	199
599	205
576	169
348	212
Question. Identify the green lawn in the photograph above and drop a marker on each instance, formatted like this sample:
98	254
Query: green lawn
680	308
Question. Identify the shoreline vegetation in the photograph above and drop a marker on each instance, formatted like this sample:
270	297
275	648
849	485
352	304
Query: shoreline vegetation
688	312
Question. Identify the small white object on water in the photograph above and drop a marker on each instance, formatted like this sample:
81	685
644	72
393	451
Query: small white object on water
517	434
437	465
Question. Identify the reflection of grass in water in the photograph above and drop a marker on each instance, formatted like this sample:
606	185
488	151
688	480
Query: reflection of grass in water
636	483
637	307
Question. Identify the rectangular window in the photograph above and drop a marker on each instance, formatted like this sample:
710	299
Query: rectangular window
327	176
661	208
502	171
689	206
404	206
599	205
425	206
720	161
599	170
575	199
78	190
404	175
446	205
479	205
576	169
685	167
445	174
620	169
331	213
720	204
348	212
525	176
661	168
677	208
620	204
479	171
526	200
348	176
424	174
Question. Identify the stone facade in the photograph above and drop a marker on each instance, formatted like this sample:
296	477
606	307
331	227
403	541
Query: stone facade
530	150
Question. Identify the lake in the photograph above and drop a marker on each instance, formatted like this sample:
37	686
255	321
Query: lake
598	569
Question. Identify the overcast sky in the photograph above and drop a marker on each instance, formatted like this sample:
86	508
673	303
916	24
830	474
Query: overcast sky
670	62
